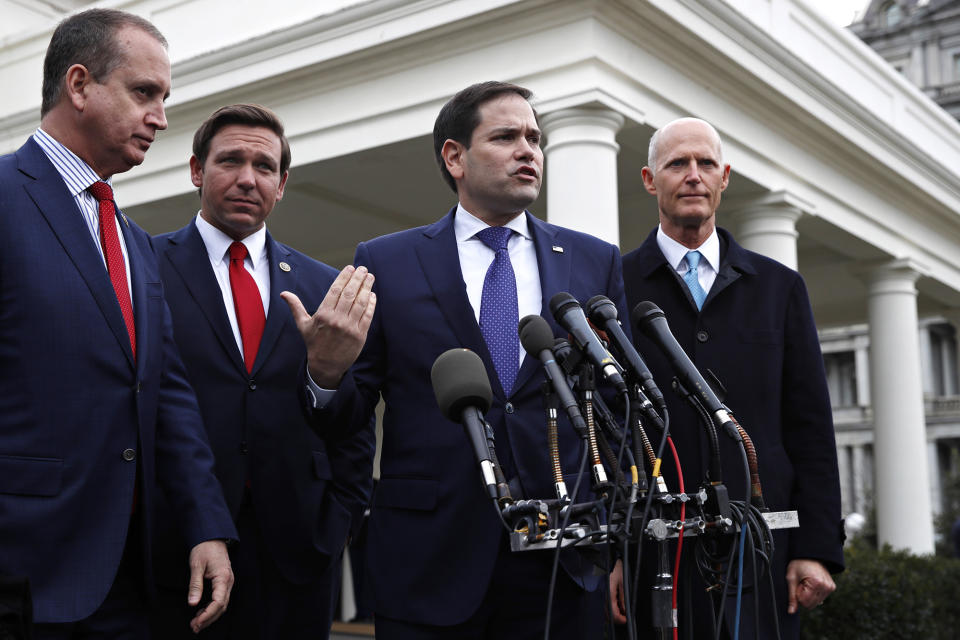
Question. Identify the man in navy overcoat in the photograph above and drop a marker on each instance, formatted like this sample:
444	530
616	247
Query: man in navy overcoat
747	319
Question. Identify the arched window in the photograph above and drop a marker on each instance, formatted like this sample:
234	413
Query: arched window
892	13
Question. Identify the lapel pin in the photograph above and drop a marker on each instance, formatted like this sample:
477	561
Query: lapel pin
557	248
125	221
284	266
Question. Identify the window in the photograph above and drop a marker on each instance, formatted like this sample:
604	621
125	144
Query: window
841	369
892	14
943	360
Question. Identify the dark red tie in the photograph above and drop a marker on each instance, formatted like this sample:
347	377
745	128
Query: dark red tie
248	304
114	255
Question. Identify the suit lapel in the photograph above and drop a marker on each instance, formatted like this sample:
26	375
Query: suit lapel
437	252
188	255
138	288
278	311
60	210
553	259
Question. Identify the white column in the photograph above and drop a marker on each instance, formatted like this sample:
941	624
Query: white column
936	487
768	225
860	473
846	486
581	167
861	356
902	483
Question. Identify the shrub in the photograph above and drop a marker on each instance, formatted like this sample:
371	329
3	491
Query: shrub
889	594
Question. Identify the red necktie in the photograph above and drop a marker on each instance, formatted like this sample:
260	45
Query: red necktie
110	242
248	304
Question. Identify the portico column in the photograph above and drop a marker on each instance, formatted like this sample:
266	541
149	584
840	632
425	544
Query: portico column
902	483
768	225
581	168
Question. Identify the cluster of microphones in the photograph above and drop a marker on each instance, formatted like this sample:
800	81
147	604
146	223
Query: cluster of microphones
590	374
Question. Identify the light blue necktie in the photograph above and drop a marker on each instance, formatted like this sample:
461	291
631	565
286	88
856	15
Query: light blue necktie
499	310
693	282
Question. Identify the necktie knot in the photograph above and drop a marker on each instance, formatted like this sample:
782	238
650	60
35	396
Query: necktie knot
238	251
495	237
101	191
693	259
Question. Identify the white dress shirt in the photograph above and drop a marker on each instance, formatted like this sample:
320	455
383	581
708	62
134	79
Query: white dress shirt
675	253
476	257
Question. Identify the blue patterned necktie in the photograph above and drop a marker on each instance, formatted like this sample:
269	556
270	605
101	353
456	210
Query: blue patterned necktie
499	313
693	282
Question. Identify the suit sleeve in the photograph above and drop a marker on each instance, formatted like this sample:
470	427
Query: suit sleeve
183	456
809	438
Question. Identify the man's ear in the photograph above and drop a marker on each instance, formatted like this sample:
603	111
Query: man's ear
196	172
77	83
648	184
283	182
452	153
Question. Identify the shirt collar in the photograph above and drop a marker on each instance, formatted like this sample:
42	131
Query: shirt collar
76	173
218	243
466	225
674	252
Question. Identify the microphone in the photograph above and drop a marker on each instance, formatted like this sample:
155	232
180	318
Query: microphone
462	389
537	340
603	313
569	315
650	320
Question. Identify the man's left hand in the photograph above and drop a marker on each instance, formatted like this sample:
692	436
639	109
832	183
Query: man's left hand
209	560
335	334
808	584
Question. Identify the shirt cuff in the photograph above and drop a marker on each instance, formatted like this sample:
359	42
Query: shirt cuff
318	396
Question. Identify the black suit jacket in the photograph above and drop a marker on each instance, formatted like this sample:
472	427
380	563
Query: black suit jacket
310	472
756	333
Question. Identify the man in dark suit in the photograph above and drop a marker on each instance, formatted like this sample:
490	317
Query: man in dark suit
95	409
295	460
747	319
440	562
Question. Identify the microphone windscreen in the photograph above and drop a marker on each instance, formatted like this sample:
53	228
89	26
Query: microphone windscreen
459	381
600	309
560	302
535	335
643	313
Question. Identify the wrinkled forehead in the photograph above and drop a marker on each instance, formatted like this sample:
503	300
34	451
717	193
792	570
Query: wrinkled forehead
686	136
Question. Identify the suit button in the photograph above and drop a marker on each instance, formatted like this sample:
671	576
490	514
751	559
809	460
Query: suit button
252	385
702	336
129	455
137	387
243	447
508	407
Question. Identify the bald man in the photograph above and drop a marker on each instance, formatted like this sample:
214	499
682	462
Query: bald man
747	319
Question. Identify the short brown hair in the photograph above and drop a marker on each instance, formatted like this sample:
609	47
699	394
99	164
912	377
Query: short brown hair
250	115
87	38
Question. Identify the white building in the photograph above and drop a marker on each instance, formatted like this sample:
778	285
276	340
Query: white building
841	167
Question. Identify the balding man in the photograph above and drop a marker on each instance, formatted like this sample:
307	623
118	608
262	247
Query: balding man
747	319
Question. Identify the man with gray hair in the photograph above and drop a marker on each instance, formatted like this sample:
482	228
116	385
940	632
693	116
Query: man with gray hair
95	409
747	319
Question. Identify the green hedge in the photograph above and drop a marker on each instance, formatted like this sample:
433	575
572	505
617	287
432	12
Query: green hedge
889	594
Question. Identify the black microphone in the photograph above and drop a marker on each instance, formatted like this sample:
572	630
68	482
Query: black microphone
650	320
603	313
462	389
537	339
569	314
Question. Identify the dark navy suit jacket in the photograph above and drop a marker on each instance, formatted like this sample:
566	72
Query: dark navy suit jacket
72	400
310	471
756	333
434	534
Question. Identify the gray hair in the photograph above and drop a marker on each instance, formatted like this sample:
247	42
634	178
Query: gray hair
87	38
